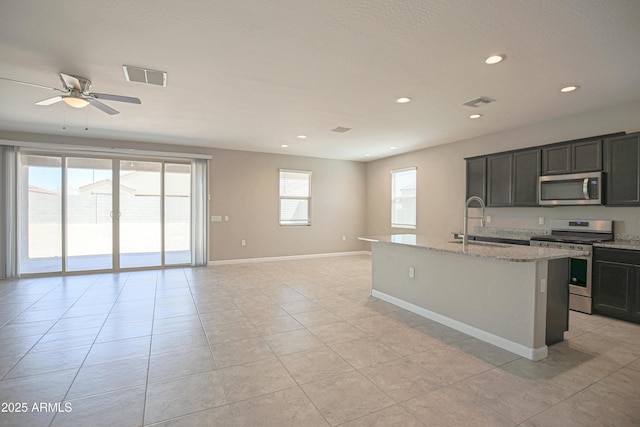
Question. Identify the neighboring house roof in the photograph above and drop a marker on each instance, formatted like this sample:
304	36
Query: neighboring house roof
36	189
143	184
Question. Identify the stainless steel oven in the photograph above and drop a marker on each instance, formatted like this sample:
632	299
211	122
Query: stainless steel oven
577	235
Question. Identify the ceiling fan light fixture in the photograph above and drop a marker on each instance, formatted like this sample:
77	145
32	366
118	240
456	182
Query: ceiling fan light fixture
75	102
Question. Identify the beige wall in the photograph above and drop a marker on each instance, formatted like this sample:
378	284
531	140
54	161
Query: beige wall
245	188
441	177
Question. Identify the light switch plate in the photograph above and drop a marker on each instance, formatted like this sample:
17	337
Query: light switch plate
216	218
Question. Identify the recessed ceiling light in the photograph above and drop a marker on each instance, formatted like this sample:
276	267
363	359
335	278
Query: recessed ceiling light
367	155
569	89
284	146
403	100
475	116
302	136
392	148
494	59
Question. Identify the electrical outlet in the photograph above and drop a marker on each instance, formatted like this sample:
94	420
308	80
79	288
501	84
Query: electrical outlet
543	285
541	220
488	219
412	273
243	242
226	218
344	237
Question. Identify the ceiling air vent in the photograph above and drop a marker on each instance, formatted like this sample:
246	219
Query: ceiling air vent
478	102
143	75
341	129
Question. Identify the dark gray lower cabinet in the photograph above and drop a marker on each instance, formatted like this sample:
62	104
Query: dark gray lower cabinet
616	283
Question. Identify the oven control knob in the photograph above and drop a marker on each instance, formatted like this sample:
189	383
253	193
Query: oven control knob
571	247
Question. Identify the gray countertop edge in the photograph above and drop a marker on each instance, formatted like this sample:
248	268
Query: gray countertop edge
510	253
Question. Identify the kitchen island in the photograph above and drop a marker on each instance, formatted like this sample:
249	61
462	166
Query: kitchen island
514	297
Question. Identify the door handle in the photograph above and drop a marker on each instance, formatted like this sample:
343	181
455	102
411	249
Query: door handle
585	188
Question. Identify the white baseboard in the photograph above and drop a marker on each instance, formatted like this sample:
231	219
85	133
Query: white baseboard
286	258
519	349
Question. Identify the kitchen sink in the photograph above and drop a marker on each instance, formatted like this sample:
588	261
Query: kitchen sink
475	243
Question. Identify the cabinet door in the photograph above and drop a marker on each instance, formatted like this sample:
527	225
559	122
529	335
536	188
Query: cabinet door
623	170
477	179
526	166
635	313
499	181
612	283
586	156
556	159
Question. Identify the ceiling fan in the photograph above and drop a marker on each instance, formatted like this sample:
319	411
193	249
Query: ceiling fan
76	94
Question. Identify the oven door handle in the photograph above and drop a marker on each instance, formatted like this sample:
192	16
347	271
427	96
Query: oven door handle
585	188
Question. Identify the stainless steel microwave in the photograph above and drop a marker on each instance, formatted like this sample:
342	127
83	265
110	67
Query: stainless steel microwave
570	189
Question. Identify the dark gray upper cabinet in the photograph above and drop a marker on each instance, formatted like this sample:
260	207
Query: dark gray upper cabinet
622	167
586	156
505	179
477	179
556	159
574	157
500	180
526	165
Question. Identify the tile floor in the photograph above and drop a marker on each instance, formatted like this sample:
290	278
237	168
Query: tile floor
291	343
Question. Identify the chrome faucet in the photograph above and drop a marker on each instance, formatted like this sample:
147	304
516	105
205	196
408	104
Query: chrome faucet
465	235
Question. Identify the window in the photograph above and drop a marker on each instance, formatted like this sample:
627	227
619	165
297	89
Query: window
295	197
403	198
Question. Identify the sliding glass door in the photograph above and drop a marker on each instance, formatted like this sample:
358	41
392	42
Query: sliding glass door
177	213
140	214
95	214
89	207
40	235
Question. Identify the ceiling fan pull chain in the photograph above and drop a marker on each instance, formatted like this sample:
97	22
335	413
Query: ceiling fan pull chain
64	117
86	121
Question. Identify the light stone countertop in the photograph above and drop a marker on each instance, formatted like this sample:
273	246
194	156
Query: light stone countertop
633	245
500	251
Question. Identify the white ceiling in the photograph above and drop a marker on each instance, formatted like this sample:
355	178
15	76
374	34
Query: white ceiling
253	74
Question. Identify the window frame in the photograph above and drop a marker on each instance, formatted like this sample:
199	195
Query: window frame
394	199
288	223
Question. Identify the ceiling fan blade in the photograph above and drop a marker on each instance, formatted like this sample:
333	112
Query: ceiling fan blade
70	82
50	101
120	98
33	84
100	106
